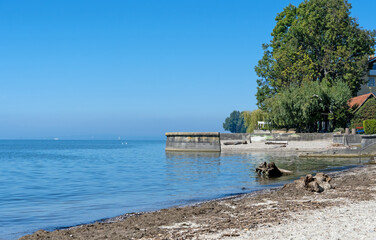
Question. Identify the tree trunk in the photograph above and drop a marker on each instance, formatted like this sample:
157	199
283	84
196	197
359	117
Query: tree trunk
271	170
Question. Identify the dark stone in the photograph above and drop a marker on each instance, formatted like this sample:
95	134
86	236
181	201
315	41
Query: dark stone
235	143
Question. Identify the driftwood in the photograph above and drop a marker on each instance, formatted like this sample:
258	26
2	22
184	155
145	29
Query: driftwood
235	143
318	183
277	142
271	170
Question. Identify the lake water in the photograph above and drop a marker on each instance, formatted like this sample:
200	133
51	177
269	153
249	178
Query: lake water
55	184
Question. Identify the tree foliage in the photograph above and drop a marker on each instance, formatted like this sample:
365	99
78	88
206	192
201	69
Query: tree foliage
367	111
316	41
370	126
251	119
301	107
235	123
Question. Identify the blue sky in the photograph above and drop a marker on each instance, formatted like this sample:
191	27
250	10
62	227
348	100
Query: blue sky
135	69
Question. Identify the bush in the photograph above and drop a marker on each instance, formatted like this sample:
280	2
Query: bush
367	111
370	126
341	130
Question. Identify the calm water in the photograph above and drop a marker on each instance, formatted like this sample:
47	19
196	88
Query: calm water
54	184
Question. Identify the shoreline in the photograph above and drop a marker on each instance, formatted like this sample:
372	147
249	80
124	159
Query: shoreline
124	216
291	147
232	216
303	149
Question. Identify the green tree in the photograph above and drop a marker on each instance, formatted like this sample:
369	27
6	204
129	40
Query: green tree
235	123
251	119
339	112
367	111
316	41
302	107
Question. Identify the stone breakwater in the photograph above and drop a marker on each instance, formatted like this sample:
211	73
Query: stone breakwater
193	141
304	144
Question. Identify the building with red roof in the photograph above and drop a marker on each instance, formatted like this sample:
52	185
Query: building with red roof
364	108
358	101
364	104
369	80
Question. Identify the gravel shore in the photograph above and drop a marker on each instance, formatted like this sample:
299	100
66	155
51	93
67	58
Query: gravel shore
292	146
348	211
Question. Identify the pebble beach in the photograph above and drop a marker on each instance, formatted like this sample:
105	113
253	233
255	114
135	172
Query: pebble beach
347	211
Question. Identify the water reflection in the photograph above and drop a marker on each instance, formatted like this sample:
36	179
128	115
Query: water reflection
304	166
192	176
188	169
195	175
48	184
197	155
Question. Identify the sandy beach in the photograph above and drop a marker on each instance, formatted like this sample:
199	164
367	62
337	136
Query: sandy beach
291	146
348	211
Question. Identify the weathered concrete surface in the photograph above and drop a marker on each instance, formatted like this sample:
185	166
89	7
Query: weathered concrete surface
197	156
347	139
261	131
297	136
347	152
193	141
301	136
370	150
235	136
339	154
368	140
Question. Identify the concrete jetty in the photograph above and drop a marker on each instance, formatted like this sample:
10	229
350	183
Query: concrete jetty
193	141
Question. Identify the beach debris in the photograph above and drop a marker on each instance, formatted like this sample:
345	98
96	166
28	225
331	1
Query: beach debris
318	183
372	160
41	234
235	143
271	170
277	142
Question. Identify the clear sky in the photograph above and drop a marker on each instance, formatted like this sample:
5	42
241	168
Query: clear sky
136	69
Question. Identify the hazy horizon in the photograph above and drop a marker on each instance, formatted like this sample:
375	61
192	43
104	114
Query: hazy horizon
134	69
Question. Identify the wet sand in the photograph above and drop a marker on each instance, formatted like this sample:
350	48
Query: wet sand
346	212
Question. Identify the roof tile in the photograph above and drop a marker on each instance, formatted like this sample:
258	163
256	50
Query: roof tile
359	100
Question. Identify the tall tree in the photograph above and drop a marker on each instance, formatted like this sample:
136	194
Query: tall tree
251	119
302	107
235	123
316	41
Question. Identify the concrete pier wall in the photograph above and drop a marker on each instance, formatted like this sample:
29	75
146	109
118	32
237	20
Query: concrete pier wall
296	136
347	139
235	136
193	141
368	140
302	136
